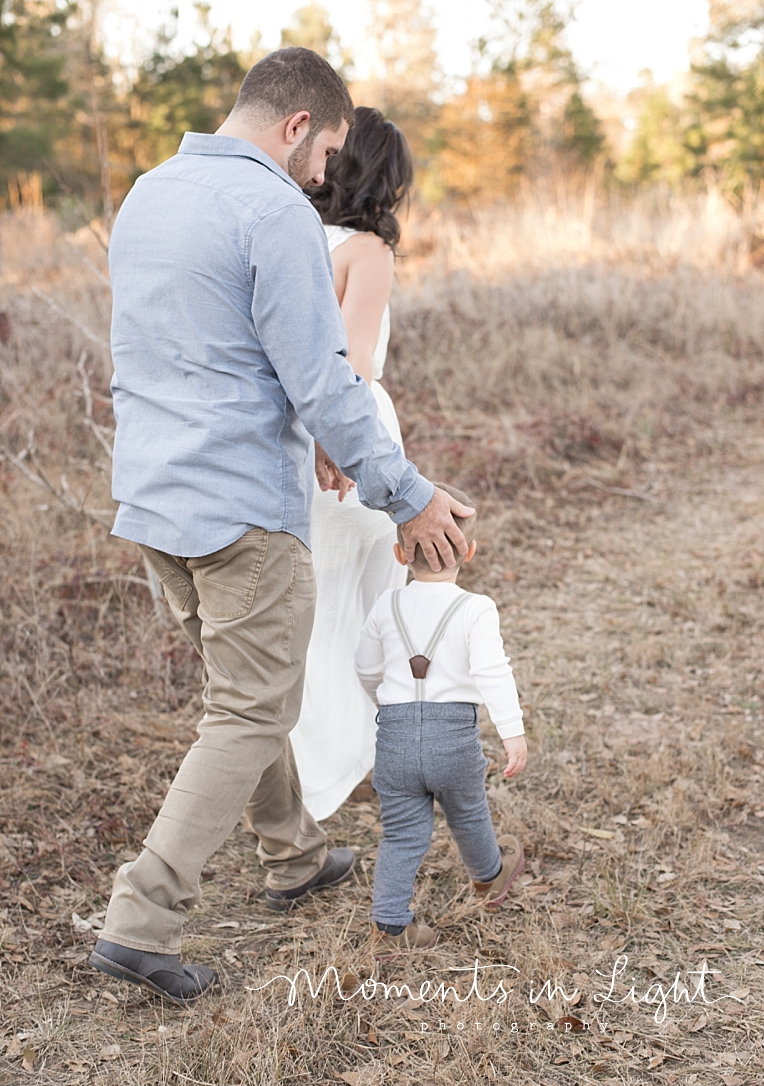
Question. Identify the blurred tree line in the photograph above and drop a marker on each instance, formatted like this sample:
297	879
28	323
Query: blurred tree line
711	124
80	126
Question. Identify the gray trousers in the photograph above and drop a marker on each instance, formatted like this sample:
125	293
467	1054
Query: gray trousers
428	751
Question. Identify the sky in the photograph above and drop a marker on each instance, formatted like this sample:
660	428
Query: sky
612	40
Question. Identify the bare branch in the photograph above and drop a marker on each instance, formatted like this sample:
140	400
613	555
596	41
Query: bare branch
88	262
78	324
624	492
63	493
102	433
84	213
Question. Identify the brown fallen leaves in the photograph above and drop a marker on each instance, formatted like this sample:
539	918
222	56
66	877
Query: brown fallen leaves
370	1075
109	1052
698	1024
570	1024
20	1046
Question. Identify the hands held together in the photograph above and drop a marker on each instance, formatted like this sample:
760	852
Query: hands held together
329	475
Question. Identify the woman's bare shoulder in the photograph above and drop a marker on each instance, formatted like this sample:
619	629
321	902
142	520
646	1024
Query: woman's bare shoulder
368	246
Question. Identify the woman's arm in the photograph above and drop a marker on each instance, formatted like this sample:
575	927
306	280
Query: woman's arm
363	273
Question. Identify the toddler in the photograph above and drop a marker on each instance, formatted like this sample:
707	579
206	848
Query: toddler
428	655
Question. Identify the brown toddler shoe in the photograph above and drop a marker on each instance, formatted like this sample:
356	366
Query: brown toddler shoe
512	864
385	947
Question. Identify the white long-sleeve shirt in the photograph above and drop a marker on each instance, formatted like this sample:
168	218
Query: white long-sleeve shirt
469	664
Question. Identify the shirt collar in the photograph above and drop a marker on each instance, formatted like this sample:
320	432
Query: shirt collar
201	143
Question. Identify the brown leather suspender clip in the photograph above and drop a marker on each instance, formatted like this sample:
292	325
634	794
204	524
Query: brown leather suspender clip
419	665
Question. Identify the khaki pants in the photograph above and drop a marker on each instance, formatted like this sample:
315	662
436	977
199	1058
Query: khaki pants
248	609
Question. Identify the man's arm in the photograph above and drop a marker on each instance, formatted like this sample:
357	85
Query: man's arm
298	322
299	325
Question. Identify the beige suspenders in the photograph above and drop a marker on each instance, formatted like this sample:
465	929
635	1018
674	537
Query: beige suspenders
420	662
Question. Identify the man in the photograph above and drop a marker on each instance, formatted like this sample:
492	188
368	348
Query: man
229	353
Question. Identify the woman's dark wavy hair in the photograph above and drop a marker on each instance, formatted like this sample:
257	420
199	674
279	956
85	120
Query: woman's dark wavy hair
368	180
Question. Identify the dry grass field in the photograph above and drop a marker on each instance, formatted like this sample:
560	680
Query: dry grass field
595	378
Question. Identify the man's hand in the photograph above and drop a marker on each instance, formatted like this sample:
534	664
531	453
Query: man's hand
329	475
433	528
517	755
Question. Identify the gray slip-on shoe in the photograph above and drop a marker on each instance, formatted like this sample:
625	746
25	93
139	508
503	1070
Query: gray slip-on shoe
164	974
338	866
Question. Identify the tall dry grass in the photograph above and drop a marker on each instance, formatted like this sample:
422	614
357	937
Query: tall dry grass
593	374
568	337
555	224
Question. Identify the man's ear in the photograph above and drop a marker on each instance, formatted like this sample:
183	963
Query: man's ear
295	128
471	552
400	554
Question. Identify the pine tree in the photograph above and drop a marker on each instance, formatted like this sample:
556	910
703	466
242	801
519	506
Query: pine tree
34	113
566	125
580	133
717	129
725	128
176	92
523	110
660	150
407	75
484	138
311	28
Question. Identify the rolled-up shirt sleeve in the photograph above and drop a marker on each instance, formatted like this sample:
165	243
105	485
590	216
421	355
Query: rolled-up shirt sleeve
298	322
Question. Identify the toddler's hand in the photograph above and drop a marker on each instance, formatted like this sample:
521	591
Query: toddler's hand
517	755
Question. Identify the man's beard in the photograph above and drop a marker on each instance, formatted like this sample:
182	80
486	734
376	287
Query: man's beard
298	163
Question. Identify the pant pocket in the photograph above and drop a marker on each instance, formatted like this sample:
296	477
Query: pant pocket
227	580
300	600
177	588
392	770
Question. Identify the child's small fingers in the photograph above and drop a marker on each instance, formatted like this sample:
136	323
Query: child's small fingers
514	766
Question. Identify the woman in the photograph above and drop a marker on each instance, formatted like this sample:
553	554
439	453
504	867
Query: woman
352	546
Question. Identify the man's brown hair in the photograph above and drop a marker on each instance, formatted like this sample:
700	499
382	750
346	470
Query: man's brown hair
467	525
293	79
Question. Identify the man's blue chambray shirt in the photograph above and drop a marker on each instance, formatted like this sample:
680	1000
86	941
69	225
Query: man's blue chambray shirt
229	352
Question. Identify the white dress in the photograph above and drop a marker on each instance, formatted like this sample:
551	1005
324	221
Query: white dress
353	558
